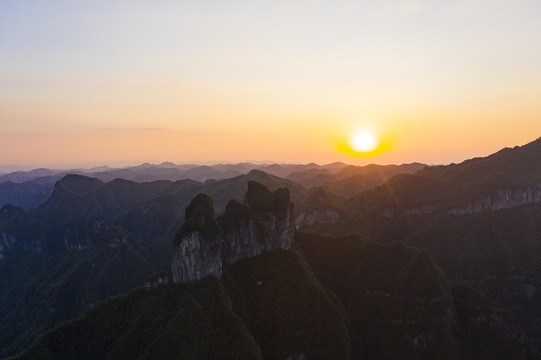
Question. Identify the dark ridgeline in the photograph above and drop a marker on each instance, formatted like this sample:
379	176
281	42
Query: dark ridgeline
469	288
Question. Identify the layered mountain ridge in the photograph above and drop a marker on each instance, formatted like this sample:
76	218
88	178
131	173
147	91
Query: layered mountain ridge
359	297
472	291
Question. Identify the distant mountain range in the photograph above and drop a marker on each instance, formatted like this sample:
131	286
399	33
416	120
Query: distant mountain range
407	261
29	189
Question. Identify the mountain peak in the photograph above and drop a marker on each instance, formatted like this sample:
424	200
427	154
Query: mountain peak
77	183
199	217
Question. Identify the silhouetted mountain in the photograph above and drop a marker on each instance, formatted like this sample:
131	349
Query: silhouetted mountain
29	189
21	176
350	180
506	179
509	167
320	296
395	295
479	220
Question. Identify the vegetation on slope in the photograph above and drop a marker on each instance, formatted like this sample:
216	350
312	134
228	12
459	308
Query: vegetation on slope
199	217
288	311
38	291
271	307
191	321
393	295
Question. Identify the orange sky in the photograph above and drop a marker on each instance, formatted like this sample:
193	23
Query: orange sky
123	82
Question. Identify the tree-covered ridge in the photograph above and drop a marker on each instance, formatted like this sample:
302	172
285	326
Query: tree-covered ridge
259	311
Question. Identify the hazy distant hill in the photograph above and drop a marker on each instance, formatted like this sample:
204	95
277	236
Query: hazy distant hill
28	194
30	189
350	180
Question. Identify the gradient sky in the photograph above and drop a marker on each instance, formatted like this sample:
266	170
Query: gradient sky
122	82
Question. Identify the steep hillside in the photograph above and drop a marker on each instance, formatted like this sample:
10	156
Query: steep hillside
122	223
506	179
193	321
479	221
516	166
260	316
396	295
39	291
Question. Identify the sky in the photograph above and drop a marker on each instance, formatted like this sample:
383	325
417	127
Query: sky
118	82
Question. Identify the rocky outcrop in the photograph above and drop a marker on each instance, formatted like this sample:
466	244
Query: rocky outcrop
196	258
263	223
197	253
321	217
319	209
240	233
502	199
418	210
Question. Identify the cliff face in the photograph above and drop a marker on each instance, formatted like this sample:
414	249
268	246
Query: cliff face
499	200
319	209
197	253
240	233
503	199
263	223
260	232
323	216
195	258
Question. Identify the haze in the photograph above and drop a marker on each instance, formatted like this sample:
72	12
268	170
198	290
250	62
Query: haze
112	82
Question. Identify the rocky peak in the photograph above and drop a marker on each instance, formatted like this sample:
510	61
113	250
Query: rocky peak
263	223
197	249
77	184
199	217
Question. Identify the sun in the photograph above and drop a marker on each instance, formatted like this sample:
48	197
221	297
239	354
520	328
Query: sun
363	142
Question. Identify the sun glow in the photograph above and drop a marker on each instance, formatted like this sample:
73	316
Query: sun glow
364	142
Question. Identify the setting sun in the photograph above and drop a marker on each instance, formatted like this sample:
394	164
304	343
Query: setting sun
364	142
